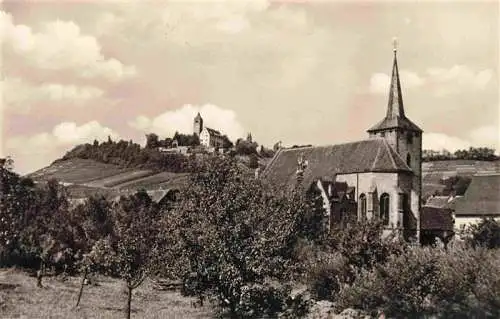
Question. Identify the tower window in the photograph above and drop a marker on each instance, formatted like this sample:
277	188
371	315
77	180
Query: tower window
408	160
384	208
409	138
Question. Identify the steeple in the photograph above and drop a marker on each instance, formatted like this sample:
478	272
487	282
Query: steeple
395	117
395	107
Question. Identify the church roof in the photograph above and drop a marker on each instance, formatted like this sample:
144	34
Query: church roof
482	197
373	155
395	117
213	132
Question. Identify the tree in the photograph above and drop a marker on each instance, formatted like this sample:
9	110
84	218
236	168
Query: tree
486	233
16	194
226	142
128	251
152	140
254	161
238	237
93	222
244	147
46	234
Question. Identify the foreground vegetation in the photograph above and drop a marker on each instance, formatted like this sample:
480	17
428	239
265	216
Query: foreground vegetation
241	247
20	298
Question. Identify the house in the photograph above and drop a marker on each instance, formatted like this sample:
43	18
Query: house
482	199
209	138
382	173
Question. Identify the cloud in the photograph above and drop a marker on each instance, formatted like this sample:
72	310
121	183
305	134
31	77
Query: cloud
380	82
484	136
181	120
21	96
60	46
440	81
35	151
440	141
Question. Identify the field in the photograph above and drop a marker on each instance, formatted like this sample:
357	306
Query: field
84	177
20	298
434	172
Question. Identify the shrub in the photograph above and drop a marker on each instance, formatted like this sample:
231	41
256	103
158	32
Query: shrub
461	283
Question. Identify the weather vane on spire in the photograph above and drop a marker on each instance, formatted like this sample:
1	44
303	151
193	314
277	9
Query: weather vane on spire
394	44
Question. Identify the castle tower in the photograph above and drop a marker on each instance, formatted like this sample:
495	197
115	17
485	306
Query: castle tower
198	125
403	135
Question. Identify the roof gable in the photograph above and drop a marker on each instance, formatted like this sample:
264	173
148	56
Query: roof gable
372	155
481	198
212	132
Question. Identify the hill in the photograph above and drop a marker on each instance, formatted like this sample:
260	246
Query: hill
84	177
433	173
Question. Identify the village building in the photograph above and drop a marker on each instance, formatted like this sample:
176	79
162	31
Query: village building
481	200
209	138
379	177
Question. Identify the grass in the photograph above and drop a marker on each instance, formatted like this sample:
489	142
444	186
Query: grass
20	298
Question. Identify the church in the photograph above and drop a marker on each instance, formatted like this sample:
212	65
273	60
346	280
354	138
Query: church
209	138
379	177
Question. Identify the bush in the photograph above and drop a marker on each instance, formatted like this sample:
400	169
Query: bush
424	281
485	234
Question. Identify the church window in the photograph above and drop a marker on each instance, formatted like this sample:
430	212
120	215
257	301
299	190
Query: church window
408	160
382	134
409	138
362	206
384	208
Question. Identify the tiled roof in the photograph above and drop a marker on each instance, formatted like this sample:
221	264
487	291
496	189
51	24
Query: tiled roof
433	218
439	201
213	132
372	155
481	198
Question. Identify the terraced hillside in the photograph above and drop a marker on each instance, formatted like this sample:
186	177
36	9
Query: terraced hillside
434	172
84	177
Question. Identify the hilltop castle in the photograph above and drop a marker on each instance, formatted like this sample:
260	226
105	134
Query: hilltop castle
208	137
379	177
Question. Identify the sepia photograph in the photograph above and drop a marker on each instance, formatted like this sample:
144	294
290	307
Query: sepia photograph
249	159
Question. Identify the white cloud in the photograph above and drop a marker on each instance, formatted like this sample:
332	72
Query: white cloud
63	134
20	96
181	120
440	141
440	81
380	82
60	46
35	151
70	133
485	136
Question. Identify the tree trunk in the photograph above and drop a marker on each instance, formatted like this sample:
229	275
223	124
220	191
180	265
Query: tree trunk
129	301
81	287
39	275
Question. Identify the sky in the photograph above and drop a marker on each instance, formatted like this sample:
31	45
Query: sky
300	72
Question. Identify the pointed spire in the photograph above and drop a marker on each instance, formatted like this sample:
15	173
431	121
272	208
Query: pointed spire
395	117
395	107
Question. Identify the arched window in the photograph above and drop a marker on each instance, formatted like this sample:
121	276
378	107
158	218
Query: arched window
362	206
384	208
408	160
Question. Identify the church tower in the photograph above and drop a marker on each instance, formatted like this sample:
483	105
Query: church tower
402	134
197	125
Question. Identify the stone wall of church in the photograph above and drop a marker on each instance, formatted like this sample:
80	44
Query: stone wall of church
384	182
